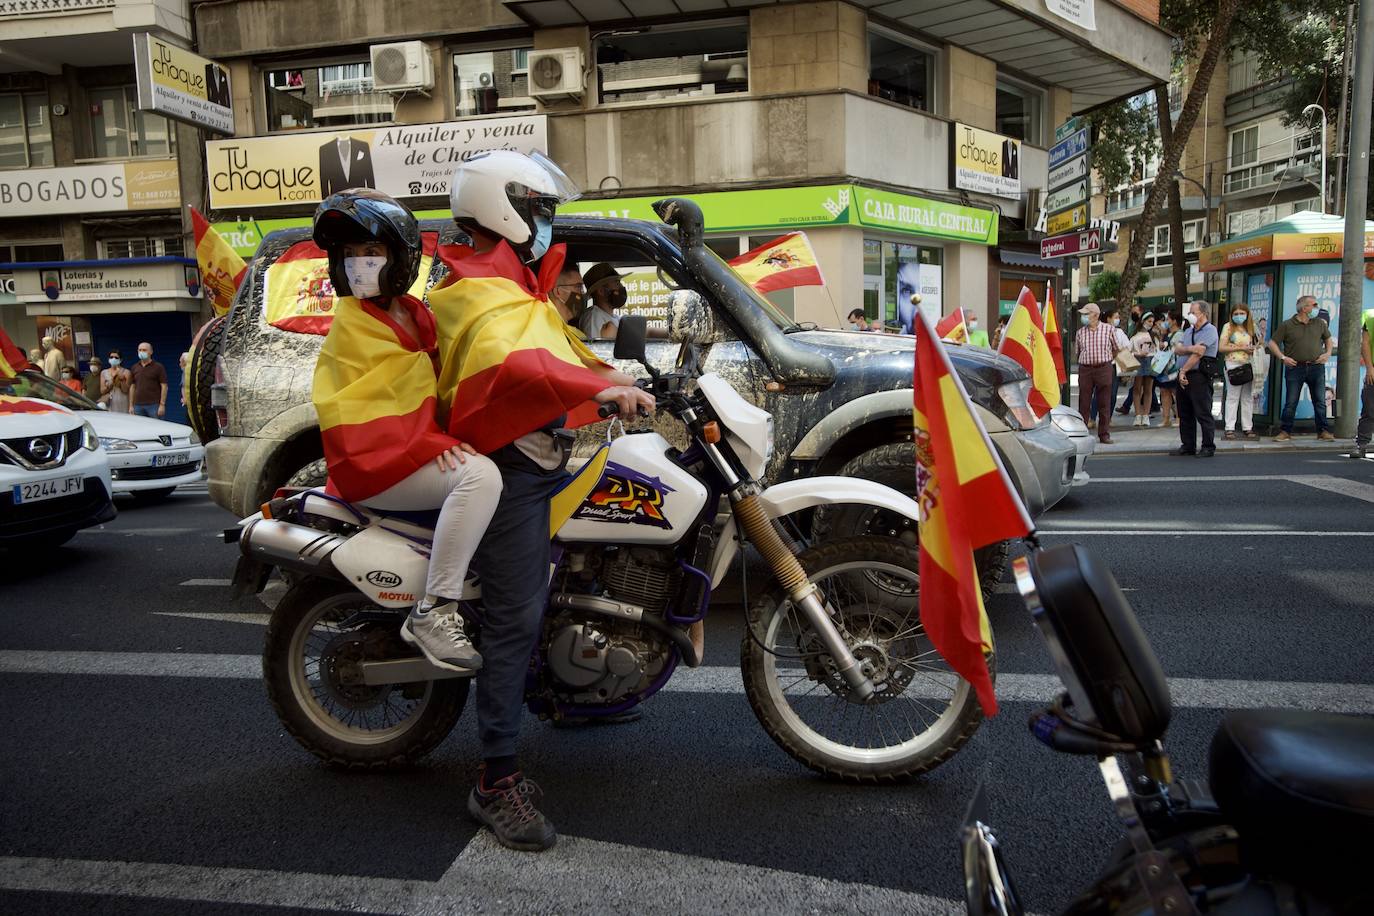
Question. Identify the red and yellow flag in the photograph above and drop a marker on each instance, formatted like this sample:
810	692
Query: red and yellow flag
1052	337
11	404
509	363
300	297
1024	341
221	268
967	502
952	327
12	359
785	262
375	391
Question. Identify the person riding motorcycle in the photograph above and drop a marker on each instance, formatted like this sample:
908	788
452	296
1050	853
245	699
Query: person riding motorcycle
375	388
511	376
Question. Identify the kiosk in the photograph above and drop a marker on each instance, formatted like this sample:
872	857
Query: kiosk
1268	269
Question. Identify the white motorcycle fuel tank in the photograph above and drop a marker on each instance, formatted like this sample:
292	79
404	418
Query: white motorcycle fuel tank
641	498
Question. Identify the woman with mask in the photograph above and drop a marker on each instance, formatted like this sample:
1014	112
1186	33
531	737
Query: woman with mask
1239	340
70	380
375	389
114	385
1143	347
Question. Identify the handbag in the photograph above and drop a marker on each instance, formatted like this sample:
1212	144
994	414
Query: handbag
1210	367
1126	363
1240	375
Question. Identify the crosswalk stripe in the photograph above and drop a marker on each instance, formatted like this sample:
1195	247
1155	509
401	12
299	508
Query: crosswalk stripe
208	582
1188	692
256	619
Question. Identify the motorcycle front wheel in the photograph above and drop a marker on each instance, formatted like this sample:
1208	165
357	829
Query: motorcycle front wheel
922	711
318	634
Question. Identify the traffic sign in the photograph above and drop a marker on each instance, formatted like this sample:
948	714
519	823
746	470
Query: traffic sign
1068	220
1071	126
1068	148
1069	196
1073	244
1071	171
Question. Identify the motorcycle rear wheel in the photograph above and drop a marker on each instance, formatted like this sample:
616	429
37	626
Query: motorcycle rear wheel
330	718
925	712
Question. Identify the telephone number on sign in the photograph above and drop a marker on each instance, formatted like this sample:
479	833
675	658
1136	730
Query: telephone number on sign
47	489
418	188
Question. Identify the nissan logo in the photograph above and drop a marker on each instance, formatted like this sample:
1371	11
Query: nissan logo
40	450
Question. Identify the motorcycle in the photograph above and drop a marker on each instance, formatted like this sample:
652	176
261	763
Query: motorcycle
835	663
1286	827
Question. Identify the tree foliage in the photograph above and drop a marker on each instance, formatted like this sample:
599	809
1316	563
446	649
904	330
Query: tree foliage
1106	286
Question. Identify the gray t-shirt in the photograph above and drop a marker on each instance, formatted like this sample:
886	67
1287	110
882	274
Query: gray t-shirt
1205	335
593	319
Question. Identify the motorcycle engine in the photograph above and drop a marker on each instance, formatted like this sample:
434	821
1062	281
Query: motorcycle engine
600	661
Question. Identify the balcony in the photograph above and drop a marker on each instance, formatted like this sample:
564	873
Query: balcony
1276	174
42	35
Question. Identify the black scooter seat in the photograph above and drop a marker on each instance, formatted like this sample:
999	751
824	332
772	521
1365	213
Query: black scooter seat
1299	786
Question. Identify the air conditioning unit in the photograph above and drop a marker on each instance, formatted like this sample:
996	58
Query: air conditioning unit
402	67
556	74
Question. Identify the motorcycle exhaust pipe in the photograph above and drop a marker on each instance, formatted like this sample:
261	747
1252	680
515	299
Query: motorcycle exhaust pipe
294	547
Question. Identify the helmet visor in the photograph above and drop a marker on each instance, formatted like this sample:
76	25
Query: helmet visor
563	188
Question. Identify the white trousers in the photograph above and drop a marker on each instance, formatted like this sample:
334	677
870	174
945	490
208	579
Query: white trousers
1242	395
466	499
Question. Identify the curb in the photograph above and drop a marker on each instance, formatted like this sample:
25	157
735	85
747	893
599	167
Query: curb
1112	451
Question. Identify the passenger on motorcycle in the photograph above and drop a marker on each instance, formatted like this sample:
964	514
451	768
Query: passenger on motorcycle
375	391
512	374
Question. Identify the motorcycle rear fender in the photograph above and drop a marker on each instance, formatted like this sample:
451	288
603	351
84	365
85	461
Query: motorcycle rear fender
795	495
386	567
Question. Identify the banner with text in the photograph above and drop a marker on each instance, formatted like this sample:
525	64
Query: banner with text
410	160
174	82
984	162
145	184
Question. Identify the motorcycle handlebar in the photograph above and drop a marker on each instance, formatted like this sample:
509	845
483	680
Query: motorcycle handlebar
612	409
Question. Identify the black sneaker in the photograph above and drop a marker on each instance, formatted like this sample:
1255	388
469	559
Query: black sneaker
1180	452
1206	452
509	810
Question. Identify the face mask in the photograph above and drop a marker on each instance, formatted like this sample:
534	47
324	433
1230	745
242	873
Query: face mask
66	376
973	325
364	276
1086	319
574	302
1116	322
144	355
543	237
615	298
1238	318
114	362
94	367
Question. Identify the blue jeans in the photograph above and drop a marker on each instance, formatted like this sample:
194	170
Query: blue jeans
1313	375
146	410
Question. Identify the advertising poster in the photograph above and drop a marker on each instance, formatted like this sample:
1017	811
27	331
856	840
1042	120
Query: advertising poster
178	84
1259	295
1321	279
144	184
984	162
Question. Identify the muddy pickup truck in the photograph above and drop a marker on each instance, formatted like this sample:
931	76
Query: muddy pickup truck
841	401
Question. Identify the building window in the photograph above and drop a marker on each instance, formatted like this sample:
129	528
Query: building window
674	62
490	81
31	253
1096	264
1159	253
1019	111
1244	146
25	134
900	70
142	247
325	95
1244	71
120	131
893	271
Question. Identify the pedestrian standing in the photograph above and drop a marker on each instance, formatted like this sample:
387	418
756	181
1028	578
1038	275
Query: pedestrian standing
998	331
1365	430
1095	344
1239	340
69	380
114	385
91	381
1143	347
1197	349
148	382
1112	316
1303	344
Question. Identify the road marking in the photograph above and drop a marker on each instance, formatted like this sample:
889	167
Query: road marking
144	532
1328	482
1352	488
1239	532
1237	477
258	619
577	875
209	582
1202	693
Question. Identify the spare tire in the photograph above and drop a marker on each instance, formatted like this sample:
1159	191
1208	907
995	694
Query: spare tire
205	350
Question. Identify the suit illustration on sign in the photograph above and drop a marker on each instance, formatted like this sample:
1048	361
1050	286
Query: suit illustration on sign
345	163
1011	159
217	86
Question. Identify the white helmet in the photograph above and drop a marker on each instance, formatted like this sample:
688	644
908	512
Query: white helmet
511	195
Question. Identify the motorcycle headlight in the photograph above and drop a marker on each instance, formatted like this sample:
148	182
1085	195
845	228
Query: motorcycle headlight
117	445
1016	396
89	440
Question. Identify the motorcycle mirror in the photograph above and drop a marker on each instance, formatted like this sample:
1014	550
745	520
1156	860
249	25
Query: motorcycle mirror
630	338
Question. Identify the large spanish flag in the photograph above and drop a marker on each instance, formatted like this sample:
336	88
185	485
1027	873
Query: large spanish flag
509	364
221	268
1024	341
967	502
1052	336
785	262
952	327
12	359
375	393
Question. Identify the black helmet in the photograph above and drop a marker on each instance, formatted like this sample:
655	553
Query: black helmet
365	215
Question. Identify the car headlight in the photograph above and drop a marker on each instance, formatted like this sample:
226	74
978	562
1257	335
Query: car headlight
1016	396
1070	424
89	440
195	439
117	445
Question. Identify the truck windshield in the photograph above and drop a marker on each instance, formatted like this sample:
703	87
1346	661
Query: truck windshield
772	311
32	384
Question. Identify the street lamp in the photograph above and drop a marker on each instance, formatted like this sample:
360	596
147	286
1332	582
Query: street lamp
1206	226
1323	185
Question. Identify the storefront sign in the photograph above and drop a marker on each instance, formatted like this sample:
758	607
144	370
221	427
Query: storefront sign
921	216
984	162
1237	254
1081	13
174	82
93	281
1316	246
410	160
1068	148
144	184
7	289
1067	221
1076	169
1074	244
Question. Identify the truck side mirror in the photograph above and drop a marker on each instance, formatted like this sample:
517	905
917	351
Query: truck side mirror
691	320
630	336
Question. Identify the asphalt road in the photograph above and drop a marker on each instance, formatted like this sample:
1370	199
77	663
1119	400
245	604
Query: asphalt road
143	771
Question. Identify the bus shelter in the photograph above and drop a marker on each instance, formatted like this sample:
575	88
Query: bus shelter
1269	269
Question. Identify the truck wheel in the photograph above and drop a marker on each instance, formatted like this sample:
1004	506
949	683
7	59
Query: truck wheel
894	465
205	350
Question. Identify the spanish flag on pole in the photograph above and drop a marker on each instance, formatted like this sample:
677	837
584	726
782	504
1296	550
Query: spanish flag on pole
12	359
1024	341
374	390
785	262
952	327
1052	337
967	502
509	363
221	268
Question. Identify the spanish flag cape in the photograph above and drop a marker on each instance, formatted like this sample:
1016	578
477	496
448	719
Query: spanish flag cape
509	363
12	359
1025	342
375	393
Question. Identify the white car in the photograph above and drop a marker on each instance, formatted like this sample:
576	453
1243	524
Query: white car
54	477
1070	422
148	457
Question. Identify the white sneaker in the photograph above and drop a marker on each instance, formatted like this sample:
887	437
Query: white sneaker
438	633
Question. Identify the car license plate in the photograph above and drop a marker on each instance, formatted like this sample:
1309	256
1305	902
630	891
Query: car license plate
55	488
162	461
